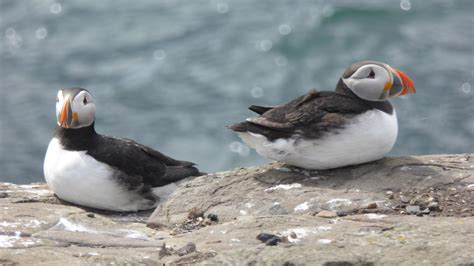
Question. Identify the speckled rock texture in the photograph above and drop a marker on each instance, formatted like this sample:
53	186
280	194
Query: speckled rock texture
396	211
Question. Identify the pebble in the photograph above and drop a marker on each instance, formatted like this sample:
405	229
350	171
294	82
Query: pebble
434	206
273	241
90	215
213	217
293	235
195	213
390	194
412	209
470	188
189	248
264	236
425	211
404	199
372	205
422	200
326	214
269	239
164	251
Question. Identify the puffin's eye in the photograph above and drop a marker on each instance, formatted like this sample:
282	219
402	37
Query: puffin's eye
85	100
371	74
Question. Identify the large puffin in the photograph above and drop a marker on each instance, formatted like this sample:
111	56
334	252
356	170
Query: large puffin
101	172
328	129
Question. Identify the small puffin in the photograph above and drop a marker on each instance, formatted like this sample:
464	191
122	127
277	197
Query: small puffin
328	129
101	172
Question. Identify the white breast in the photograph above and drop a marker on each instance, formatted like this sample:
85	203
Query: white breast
369	136
78	178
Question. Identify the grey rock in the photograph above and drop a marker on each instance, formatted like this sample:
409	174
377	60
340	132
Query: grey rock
277	209
433	206
390	194
326	214
301	194
425	211
269	239
213	217
422	200
404	199
372	205
189	248
412	209
37	228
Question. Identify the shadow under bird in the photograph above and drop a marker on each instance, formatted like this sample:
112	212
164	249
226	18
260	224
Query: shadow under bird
101	172
328	129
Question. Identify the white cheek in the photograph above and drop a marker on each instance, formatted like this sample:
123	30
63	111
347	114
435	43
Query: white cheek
59	104
382	77
89	113
369	85
86	114
367	88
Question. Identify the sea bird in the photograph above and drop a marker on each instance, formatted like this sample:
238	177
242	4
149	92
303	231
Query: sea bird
328	129
107	173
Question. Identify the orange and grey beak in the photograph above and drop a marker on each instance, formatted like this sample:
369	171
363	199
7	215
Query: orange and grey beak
66	116
402	83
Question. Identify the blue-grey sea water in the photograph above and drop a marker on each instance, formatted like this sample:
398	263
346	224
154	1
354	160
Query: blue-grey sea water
171	74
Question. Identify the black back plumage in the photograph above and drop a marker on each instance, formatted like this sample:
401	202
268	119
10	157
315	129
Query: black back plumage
310	115
136	165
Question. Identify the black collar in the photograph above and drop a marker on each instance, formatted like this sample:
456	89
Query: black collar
78	139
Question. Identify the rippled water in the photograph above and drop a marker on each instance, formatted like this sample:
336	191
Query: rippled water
171	74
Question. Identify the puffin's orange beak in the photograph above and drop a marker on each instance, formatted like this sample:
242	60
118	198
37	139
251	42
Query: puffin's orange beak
65	117
402	83
407	83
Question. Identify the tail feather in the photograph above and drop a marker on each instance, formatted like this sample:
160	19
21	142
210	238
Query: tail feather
260	109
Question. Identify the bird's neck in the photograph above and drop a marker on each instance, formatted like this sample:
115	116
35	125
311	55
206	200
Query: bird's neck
342	88
76	138
384	106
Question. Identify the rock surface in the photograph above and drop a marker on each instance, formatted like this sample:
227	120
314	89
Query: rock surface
396	211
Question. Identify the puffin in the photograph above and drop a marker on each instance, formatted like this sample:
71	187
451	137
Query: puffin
322	130
101	172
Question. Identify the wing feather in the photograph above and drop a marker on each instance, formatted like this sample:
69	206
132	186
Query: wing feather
310	115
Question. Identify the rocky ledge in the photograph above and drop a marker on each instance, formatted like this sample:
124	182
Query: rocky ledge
397	211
